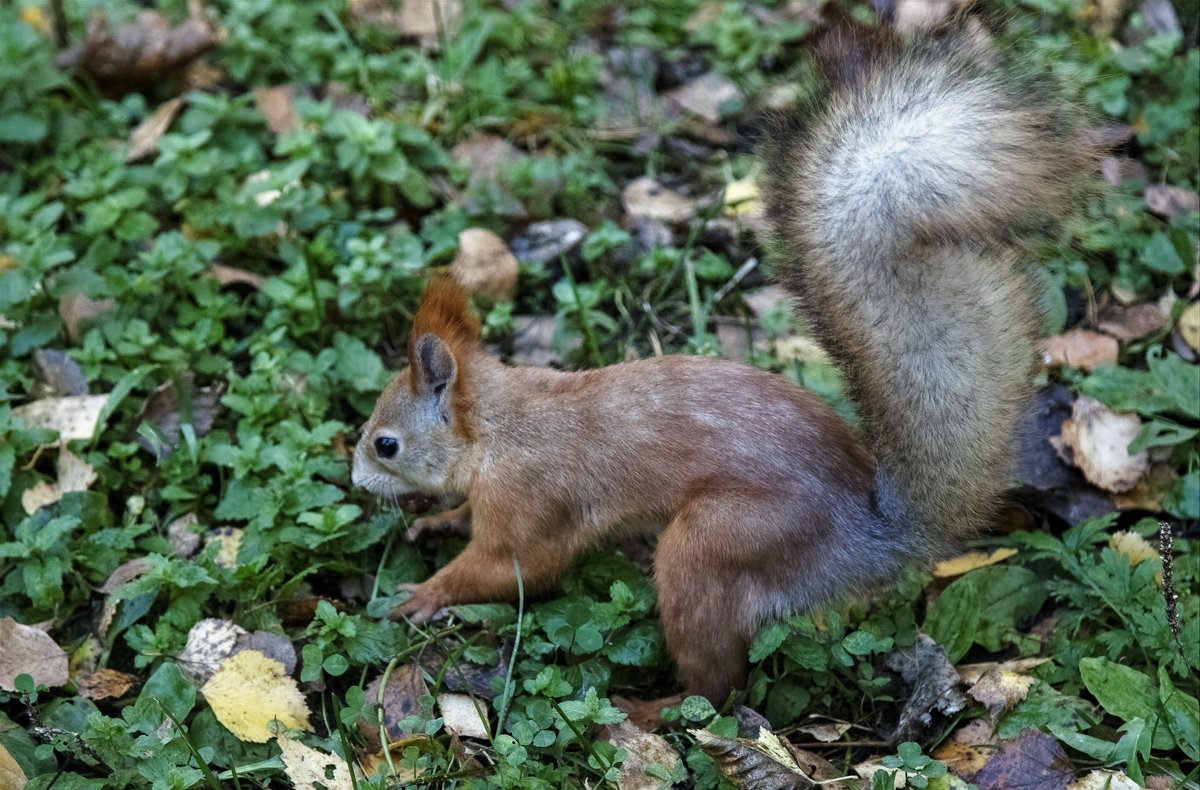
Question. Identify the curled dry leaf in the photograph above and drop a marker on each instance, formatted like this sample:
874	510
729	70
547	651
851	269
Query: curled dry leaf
462	716
1080	348
105	684
183	540
163	409
646	198
1099	441
74	474
957	566
753	765
312	769
25	650
124	574
484	265
139	53
144	140
827	732
999	691
249	691
231	275
641	749
968	749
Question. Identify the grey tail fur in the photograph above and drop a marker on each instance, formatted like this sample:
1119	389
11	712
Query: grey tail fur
900	199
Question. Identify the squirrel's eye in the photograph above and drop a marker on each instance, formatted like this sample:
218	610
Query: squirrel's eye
386	446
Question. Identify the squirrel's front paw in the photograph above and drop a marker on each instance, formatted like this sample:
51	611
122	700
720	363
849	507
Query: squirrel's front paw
422	605
449	523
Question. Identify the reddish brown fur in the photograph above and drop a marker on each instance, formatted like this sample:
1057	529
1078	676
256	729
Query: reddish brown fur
444	312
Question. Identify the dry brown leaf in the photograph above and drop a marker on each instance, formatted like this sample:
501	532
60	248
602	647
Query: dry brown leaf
462	716
1132	322
39	495
641	749
144	140
485	265
105	684
827	732
162	409
707	97
1080	348
1099	440
375	763
753	765
646	198
231	275
210	642
1032	761
275	104
424	20
999	691
138	53
1168	201
25	650
11	775
124	574
1189	326
74	417
74	474
75	309
968	749
971	673
308	768
1149	491
485	155
957	566
934	686
1103	779
183	540
249	691
401	699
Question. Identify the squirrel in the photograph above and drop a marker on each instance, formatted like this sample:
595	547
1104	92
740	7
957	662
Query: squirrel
900	197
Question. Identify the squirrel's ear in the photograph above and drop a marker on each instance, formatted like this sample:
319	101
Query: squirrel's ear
433	365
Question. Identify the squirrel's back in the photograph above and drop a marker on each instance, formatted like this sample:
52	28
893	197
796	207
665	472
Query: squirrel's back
899	199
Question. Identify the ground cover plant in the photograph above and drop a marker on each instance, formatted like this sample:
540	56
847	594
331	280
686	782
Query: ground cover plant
215	220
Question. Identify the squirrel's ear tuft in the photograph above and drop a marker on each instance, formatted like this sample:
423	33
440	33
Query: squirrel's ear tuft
444	312
445	336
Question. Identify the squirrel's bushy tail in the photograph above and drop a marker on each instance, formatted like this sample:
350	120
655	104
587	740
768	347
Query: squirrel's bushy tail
899	201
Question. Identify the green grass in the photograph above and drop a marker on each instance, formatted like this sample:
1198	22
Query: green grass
366	205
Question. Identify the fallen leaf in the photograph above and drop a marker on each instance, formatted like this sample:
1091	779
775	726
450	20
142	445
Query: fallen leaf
742	197
1169	201
1103	779
484	265
401	699
184	542
709	97
163	409
641	749
933	682
59	376
124	574
425	20
74	474
825	733
485	155
105	684
271	645
39	495
1149	491
249	691
308	768
1080	348
144	140
533	341
74	417
275	104
462	716
753	765
971	673
138	53
999	691
228	541
231	275
1032	761
1132	322
210	642
1189	325
1099	440
968	749
646	198
970	561
547	241
25	650
11	775
75	309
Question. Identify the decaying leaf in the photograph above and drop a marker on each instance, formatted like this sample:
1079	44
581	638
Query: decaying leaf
124	574
934	683
708	97
641	749
231	275
312	769
25	650
424	20
971	673
210	642
1166	200
1131	322
74	417
249	691
753	765
1081	348
957	566
1101	779
76	309
105	684
183	540
1189	326
138	53
74	474
1031	761
968	749
827	732
144	140
742	197
1149	491
462	716
58	375
533	341
999	691
485	265
275	104
1098	440
11	775
401	699
228	541
646	198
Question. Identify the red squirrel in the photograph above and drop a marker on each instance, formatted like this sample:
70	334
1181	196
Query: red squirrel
899	196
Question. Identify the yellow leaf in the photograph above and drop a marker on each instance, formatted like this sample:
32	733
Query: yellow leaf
969	562
11	775
307	767
1189	326
36	20
741	197
249	691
